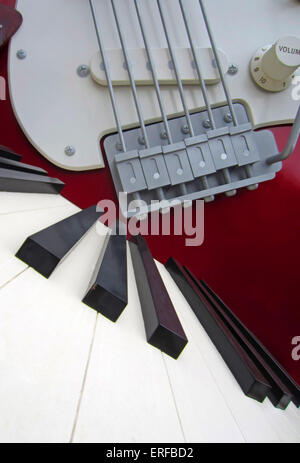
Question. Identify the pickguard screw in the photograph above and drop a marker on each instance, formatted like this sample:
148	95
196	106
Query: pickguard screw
83	70
70	150
206	124
141	140
233	69
21	54
228	117
119	146
163	135
185	129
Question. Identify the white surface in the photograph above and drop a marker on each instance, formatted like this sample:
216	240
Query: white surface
68	374
45	333
57	108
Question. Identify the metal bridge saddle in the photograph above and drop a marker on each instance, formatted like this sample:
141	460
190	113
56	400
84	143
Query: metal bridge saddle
227	158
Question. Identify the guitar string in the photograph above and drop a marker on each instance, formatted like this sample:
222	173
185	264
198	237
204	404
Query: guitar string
178	78
218	62
182	186
159	190
175	65
247	167
198	67
225	171
202	84
130	74
179	81
108	76
153	71
136	194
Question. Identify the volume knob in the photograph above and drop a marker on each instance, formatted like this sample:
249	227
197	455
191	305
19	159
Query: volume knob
272	67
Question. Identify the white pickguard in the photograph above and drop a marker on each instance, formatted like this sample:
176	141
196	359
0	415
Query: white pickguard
56	108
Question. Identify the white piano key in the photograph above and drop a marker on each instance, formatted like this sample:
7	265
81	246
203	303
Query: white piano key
9	269
282	422
204	413
131	392
46	335
127	396
293	415
249	415
15	202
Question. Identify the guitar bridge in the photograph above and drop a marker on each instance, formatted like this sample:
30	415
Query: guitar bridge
192	157
212	162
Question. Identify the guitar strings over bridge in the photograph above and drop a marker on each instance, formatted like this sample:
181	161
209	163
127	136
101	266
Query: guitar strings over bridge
192	157
214	161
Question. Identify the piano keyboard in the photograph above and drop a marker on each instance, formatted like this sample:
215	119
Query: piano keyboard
71	375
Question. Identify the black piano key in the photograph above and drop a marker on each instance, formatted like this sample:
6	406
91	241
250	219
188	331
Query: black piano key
44	250
251	380
24	182
162	325
279	395
108	288
20	166
9	154
266	355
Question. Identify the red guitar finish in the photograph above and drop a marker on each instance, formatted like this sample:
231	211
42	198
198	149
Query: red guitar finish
10	21
251	252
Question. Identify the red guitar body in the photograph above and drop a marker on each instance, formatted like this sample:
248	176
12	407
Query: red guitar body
251	251
11	20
